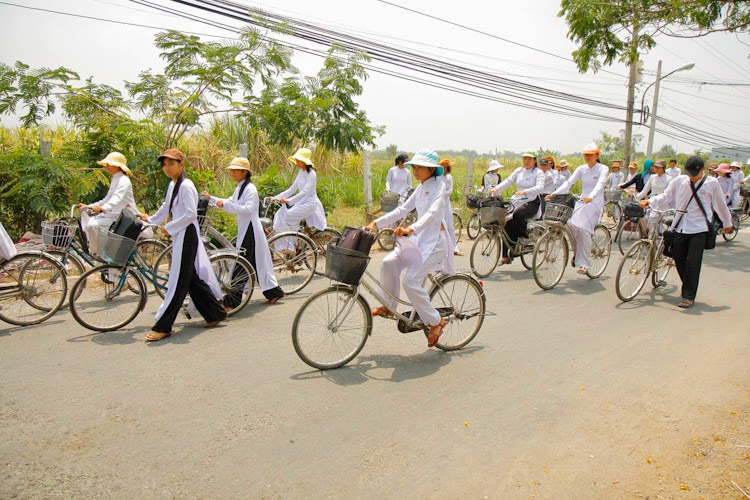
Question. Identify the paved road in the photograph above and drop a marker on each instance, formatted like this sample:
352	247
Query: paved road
566	393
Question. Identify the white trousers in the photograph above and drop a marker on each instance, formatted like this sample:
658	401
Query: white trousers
290	219
407	256
583	246
90	224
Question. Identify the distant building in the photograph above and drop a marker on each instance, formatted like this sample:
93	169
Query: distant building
734	153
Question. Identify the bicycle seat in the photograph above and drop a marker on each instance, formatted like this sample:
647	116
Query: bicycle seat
266	222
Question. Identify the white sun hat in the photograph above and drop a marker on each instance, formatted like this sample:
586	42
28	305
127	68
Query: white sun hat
115	159
735	164
494	165
425	158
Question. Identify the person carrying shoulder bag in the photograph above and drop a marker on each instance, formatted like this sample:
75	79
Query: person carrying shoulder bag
696	197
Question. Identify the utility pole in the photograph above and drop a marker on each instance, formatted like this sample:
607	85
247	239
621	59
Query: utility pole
650	147
631	91
368	177
469	175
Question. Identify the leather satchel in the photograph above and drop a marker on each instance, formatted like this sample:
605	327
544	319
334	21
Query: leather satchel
356	239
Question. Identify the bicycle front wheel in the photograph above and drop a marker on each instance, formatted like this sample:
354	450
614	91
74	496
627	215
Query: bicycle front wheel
236	278
633	271
33	287
161	271
105	299
331	327
611	215
630	231
461	301
472	226
485	253
322	239
527	250
549	259
458	226
294	261
735	229
386	240
601	249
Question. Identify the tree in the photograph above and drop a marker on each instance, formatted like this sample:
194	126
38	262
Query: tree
613	146
391	150
666	151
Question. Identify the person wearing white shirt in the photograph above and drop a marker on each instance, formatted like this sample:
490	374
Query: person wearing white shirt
588	211
563	173
529	181
427	251
491	178
550	183
306	204
737	177
690	223
447	165
632	172
398	178
616	177
673	171
119	196
251	239
190	270
657	183
725	181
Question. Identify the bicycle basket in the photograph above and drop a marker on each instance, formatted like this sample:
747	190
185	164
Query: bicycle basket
344	265
58	233
634	210
472	201
389	202
745	190
114	248
555	212
493	216
612	195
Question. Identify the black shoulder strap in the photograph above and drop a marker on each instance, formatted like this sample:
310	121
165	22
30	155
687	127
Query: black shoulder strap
176	189
242	188
697	198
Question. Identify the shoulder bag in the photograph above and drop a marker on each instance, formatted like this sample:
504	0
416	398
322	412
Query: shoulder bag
668	235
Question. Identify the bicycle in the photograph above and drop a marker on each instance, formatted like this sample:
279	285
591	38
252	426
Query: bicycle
736	218
297	263
66	241
333	325
110	296
612	210
632	227
33	286
488	247
644	258
550	256
474	222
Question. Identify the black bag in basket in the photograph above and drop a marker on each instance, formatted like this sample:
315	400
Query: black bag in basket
634	210
356	239
495	201
127	225
472	201
563	199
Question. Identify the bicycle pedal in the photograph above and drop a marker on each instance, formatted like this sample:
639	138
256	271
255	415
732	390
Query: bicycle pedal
186	313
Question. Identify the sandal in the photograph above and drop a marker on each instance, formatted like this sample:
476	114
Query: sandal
272	301
156	336
214	323
381	311
582	270
686	303
458	252
505	261
435	332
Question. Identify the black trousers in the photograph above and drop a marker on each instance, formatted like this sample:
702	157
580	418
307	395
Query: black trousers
239	277
688	257
516	227
189	282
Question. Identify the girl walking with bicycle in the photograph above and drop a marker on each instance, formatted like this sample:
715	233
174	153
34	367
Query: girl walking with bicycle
529	181
305	203
588	211
190	270
251	240
429	250
447	165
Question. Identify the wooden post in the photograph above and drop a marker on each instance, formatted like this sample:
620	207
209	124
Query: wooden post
45	147
368	178
243	150
469	175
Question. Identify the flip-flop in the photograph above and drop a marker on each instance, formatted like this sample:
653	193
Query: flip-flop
686	303
272	301
381	311
436	331
156	336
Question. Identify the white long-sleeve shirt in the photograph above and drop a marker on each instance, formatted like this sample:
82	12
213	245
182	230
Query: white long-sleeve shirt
656	184
398	180
592	180
673	171
678	194
550	181
119	195
306	185
562	176
614	179
530	180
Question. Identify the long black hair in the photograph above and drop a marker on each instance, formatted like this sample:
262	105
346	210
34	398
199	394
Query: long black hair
402	158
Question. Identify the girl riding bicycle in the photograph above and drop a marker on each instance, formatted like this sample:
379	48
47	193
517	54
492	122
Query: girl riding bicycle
306	204
429	250
588	211
251	239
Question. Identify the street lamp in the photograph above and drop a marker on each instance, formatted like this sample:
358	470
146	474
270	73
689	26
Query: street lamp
659	78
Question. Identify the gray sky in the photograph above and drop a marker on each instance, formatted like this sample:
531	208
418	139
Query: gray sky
417	116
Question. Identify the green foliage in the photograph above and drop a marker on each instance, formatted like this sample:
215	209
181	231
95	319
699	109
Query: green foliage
613	146
391	150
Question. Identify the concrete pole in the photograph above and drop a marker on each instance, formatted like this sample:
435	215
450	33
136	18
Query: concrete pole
243	150
368	178
652	128
469	175
631	92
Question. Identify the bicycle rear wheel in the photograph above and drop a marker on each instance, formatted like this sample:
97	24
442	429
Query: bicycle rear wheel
611	215
331	327
161	271
485	253
601	249
105	299
294	262
386	240
236	278
472	226
633	271
73	266
527	250
33	287
323	238
662	267
457	226
150	250
461	301
630	231
549	259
